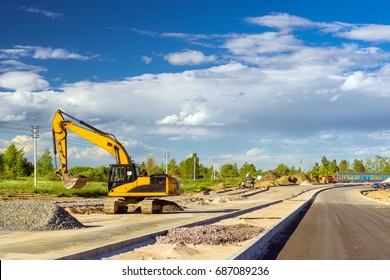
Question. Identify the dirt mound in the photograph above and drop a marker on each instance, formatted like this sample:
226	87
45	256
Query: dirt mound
210	234
306	182
34	215
286	180
301	177
270	176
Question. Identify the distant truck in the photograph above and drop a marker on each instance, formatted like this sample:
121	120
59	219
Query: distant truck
330	179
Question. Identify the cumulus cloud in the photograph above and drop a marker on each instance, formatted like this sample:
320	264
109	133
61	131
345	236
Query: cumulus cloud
11	65
199	115
368	32
281	21
374	83
268	42
189	58
24	81
254	152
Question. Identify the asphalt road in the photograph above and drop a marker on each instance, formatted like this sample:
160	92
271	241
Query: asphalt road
341	225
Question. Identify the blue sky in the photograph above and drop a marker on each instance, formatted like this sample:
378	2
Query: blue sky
264	82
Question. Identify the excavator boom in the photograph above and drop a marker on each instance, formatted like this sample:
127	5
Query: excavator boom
106	141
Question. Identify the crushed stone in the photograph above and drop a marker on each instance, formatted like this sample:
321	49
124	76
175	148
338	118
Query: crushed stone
35	215
210	234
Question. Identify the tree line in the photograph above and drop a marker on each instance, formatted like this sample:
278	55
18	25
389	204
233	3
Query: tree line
13	164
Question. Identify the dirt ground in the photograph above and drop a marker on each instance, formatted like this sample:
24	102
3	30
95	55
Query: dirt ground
382	195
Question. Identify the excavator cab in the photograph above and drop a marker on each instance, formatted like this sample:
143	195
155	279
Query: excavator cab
122	174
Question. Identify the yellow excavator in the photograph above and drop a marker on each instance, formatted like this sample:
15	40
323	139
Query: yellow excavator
127	186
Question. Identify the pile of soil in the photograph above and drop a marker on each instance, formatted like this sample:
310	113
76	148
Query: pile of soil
272	179
270	176
210	234
34	215
286	180
301	177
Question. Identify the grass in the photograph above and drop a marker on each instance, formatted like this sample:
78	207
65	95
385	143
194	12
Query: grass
52	187
202	185
94	189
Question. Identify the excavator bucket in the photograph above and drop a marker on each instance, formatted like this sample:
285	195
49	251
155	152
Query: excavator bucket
74	182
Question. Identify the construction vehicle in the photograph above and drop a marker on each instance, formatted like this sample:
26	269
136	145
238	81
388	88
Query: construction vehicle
127	186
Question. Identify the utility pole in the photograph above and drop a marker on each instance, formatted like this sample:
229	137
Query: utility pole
194	166
35	130
215	170
166	162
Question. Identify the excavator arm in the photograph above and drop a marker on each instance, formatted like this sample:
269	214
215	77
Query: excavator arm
106	141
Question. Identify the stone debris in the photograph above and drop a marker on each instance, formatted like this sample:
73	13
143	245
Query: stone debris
35	215
210	234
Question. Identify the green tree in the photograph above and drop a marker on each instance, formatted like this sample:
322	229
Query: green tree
45	164
151	167
1	163
15	164
98	174
247	168
229	170
79	170
282	169
332	167
173	168
186	167
343	166
324	168
358	166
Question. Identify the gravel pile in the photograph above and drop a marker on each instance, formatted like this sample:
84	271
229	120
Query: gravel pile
34	215
210	234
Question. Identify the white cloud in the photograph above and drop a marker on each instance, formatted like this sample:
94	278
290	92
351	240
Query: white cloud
39	52
15	117
146	59
268	42
45	13
50	53
189	58
200	115
368	32
254	152
281	21
372	83
25	81
196	98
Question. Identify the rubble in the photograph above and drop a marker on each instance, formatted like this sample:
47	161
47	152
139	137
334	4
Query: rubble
34	215
210	234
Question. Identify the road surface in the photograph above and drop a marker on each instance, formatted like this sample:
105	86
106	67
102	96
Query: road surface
341	225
